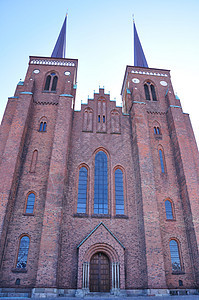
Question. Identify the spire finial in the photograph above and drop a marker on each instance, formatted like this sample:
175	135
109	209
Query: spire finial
139	57
60	46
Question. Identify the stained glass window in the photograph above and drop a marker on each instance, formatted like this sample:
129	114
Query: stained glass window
30	203
169	211
101	184
23	252
161	161
119	192
175	258
82	190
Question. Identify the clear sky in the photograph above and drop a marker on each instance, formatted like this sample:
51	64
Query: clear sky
99	35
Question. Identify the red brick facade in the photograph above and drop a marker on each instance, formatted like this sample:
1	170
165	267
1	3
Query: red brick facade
62	241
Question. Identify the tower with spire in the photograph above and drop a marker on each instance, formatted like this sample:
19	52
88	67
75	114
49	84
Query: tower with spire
104	199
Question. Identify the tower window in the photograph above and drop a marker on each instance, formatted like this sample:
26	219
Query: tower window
98	118
101	184
153	92
175	257
51	82
146	89
169	210
82	190
157	130
119	192
161	161
54	84
47	84
150	93
103	119
42	126
23	252
30	203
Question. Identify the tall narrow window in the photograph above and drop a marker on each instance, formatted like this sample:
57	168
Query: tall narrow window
119	193
51	82
175	257
161	161
101	184
23	252
82	190
150	93
169	210
30	203
153	92
54	84
34	161
146	89
42	126
47	84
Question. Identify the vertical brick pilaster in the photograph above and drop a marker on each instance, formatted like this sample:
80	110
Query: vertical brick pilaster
145	177
186	157
49	247
11	163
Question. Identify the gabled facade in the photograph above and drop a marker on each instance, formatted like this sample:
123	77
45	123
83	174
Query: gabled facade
104	199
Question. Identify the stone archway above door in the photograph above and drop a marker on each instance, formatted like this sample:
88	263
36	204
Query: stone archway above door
101	240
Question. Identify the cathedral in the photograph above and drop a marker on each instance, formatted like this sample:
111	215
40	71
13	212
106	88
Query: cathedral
101	200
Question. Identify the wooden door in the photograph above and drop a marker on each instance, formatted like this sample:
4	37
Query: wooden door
99	273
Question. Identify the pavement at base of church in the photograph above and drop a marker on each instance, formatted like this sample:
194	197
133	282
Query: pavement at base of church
189	297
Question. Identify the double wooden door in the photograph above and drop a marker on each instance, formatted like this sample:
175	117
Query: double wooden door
99	273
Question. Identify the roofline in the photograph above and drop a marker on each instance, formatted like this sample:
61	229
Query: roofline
52	58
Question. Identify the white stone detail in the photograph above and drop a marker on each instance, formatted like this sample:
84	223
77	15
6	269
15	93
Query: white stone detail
36	71
147	73
135	80
50	62
163	83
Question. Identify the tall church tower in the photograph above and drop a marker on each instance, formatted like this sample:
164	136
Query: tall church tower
99	200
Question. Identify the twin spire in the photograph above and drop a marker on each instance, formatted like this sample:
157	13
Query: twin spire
60	47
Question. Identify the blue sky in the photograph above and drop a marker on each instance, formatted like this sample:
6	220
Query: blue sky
99	34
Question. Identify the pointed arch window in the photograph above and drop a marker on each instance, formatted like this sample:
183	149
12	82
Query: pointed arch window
23	252
175	256
30	203
34	161
146	89
150	93
51	82
101	184
47	84
119	192
54	84
169	210
157	130
42	126
115	121
82	190
161	161
88	119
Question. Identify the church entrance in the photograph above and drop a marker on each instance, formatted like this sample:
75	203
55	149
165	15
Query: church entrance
99	273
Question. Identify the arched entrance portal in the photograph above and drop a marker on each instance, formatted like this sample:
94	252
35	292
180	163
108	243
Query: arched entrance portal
99	273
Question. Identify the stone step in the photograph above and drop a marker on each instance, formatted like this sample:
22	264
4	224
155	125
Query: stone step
15	295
